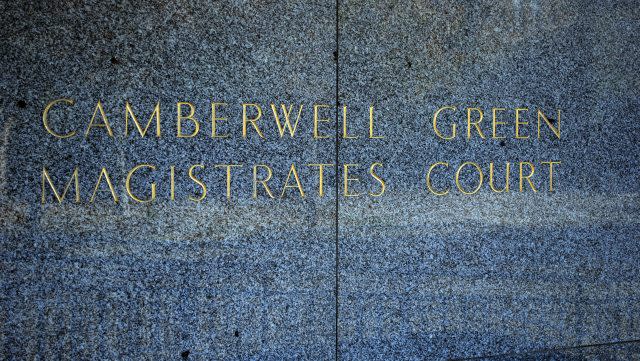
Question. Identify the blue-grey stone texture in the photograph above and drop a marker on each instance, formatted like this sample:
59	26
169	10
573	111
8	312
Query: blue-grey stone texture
553	276
460	276
616	351
231	280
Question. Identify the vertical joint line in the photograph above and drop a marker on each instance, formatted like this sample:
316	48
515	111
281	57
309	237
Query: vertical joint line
337	181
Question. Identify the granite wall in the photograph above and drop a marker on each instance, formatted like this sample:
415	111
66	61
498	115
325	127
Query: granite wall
520	275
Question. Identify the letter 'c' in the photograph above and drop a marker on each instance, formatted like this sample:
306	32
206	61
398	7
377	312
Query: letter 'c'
45	115
445	192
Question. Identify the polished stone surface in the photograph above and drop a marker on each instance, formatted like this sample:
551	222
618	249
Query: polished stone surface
420	277
214	280
460	276
616	351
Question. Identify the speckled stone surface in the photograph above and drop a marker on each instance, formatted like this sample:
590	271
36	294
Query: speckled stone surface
427	277
421	277
618	351
170	280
